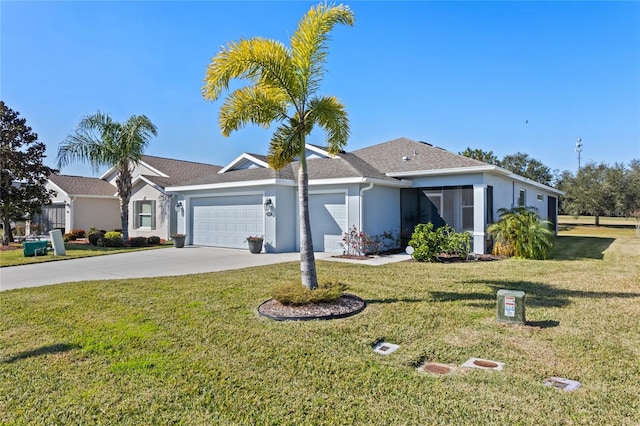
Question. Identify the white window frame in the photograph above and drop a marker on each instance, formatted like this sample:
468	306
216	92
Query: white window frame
137	214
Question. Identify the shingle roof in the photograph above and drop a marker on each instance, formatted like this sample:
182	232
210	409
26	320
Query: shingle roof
177	170
80	185
371	162
388	157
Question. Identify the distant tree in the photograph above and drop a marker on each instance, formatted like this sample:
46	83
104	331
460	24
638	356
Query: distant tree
586	193
632	186
283	88
23	175
600	189
101	141
525	166
478	154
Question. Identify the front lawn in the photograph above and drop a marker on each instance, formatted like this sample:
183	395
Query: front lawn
73	251
192	350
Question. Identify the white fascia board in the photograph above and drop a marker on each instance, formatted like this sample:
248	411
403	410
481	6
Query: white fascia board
536	184
153	169
319	151
444	172
147	181
402	183
108	172
226	185
480	169
243	157
108	197
57	188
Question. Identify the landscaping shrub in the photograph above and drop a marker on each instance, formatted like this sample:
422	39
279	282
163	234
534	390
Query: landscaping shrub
78	233
358	243
111	239
294	293
138	242
428	242
522	233
153	240
94	237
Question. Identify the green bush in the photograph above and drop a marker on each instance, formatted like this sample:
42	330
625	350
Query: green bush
428	242
521	232
138	242
111	239
294	293
94	237
153	240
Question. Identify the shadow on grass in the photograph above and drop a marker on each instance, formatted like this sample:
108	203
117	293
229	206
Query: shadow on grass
394	300
576	247
543	324
44	350
537	294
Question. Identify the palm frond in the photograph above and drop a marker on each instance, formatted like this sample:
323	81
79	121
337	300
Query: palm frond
331	115
284	147
255	104
261	61
309	42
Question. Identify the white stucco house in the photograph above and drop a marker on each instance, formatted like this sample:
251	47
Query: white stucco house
391	186
86	202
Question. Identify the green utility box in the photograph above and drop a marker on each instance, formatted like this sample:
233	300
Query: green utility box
511	306
34	248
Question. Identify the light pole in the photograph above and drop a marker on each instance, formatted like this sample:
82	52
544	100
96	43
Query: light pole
579	150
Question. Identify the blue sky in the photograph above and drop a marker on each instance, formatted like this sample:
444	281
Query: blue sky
500	76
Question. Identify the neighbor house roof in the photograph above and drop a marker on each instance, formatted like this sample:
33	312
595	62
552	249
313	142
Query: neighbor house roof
83	186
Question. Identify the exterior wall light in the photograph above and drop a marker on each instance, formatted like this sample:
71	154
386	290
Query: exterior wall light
178	207
268	207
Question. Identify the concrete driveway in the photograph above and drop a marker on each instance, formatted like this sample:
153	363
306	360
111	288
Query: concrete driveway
139	264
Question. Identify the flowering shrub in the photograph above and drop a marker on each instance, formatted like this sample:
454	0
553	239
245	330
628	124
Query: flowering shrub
358	243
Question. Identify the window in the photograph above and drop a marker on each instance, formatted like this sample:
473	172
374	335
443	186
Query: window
144	214
522	199
540	197
467	208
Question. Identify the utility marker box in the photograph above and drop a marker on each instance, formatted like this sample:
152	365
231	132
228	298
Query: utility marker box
511	306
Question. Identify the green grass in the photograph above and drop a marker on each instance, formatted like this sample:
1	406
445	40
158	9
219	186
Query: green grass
73	251
192	350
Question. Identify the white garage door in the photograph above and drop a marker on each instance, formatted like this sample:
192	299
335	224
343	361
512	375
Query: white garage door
328	215
227	221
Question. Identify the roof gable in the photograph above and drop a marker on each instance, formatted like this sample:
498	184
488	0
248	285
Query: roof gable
246	161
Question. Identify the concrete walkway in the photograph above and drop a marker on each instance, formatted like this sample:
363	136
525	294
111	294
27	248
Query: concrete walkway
151	263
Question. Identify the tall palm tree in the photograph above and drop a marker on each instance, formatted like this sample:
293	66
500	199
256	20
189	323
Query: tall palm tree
284	82
101	141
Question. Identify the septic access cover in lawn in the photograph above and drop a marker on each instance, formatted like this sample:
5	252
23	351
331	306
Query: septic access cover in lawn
484	364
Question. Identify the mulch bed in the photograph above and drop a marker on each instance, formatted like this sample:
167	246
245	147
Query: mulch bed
345	306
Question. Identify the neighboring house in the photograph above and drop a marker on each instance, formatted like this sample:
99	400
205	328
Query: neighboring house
86	202
391	186
80	203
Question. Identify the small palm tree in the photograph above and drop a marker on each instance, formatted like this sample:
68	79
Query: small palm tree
522	233
284	85
101	141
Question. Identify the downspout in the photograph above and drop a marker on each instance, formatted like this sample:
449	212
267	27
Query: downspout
362	205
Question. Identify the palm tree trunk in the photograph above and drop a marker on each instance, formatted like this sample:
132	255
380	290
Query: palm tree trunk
123	183
307	259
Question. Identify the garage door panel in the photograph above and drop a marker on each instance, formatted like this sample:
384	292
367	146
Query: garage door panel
328	215
227	221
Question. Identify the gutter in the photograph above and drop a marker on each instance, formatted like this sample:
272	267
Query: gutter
362	205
